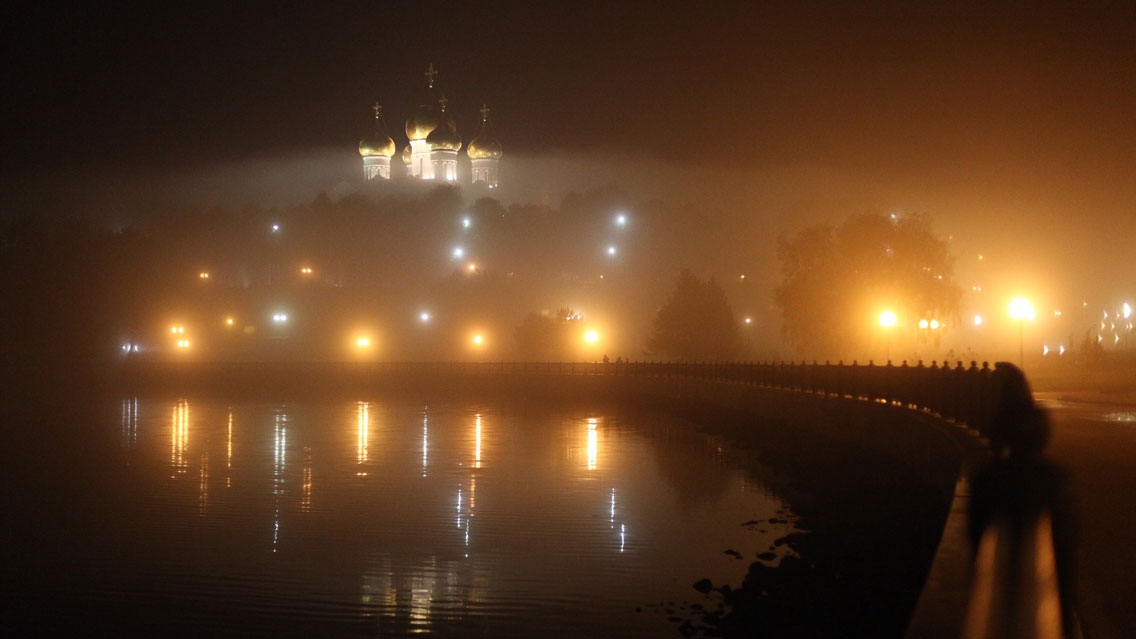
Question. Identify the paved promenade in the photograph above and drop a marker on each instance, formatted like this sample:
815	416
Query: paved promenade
1094	436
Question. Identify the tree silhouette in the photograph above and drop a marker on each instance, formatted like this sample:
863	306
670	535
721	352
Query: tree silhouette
696	323
546	336
835	282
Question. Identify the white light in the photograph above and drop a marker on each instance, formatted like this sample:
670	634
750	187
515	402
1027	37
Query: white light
591	337
1061	350
611	251
749	320
424	317
1126	311
621	220
458	253
978	320
1044	349
280	318
275	228
1021	309
934	324
466	222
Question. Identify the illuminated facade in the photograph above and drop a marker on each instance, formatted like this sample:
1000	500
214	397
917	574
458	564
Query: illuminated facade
433	144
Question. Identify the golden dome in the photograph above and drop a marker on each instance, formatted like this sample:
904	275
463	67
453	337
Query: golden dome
425	118
379	143
445	135
407	155
484	145
422	123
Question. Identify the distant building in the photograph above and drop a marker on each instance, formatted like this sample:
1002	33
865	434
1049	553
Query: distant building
433	145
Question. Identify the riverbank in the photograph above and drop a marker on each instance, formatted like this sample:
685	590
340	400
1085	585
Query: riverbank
872	529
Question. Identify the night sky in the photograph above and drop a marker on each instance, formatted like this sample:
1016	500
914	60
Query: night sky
999	119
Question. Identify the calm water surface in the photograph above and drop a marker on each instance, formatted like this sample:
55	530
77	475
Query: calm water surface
382	518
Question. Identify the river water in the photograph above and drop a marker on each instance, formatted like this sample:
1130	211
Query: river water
378	518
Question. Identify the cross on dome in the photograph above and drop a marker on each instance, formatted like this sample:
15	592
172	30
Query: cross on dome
431	73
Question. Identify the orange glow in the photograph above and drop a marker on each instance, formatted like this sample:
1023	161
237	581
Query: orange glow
593	443
887	319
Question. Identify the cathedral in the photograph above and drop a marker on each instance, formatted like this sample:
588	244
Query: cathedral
434	144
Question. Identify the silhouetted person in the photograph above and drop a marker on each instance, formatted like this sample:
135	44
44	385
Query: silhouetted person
1022	523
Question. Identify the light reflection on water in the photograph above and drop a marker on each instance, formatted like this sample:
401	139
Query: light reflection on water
485	521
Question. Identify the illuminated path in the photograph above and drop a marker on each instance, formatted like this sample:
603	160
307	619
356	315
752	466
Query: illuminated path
1096	441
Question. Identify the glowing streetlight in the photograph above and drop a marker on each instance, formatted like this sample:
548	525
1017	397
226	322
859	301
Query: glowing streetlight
424	317
887	321
203	275
466	222
621	220
307	270
363	342
1022	311
280	318
611	251
591	337
458	253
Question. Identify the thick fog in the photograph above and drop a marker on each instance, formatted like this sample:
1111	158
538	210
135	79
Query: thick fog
1061	239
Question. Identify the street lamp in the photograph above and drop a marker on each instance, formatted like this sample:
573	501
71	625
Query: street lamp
887	321
1021	310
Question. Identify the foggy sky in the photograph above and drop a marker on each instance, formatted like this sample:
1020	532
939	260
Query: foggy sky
1011	125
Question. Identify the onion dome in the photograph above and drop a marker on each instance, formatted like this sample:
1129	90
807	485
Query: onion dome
484	145
445	135
407	155
425	117
378	144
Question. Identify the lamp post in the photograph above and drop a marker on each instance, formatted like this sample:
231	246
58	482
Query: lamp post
1022	311
887	321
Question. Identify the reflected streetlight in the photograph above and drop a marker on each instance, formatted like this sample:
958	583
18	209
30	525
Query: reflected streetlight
1022	311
